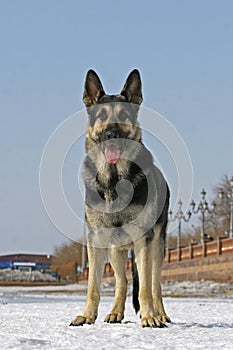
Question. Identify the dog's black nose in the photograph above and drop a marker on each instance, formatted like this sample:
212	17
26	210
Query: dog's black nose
111	134
108	135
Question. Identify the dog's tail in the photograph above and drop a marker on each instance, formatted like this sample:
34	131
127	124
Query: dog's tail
136	304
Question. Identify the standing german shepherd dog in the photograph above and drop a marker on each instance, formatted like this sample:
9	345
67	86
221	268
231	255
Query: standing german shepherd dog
126	204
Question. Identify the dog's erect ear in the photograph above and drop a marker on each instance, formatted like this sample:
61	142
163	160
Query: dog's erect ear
93	89
132	89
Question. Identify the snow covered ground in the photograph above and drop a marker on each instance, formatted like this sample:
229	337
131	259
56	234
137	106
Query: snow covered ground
39	317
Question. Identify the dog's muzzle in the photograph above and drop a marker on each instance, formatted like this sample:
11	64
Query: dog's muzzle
111	146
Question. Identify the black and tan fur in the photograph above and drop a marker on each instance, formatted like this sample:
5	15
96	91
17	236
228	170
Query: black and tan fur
140	224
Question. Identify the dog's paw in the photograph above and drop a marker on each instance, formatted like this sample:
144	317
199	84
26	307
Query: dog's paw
152	322
81	320
114	318
164	318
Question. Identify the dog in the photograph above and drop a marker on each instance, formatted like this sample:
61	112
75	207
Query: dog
126	205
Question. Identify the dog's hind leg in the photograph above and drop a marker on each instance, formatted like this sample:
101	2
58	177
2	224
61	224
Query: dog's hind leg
96	257
157	261
118	260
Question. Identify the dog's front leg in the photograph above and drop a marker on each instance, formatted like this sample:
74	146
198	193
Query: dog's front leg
96	258
118	260
143	258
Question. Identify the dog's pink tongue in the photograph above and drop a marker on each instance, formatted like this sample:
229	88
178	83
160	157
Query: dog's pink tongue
112	154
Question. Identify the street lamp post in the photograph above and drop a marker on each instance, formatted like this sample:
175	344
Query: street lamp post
230	196
179	216
203	207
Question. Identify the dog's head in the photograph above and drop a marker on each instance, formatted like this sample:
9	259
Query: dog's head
112	118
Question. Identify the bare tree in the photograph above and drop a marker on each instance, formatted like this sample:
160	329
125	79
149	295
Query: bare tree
186	238
218	223
67	253
224	203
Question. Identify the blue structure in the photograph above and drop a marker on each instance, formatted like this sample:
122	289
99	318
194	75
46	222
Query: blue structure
26	262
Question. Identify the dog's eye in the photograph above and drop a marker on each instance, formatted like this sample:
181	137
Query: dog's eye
102	116
122	116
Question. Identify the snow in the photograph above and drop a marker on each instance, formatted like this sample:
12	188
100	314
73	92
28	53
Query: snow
39	317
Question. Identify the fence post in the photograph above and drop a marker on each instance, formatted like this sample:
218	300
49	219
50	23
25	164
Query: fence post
85	273
178	253
168	255
204	249
190	250
219	246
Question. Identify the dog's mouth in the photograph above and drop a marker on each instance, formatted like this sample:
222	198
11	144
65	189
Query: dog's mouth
112	153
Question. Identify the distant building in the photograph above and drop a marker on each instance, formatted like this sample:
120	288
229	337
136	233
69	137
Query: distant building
26	262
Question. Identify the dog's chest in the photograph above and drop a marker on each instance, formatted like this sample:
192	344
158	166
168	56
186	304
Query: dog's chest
112	178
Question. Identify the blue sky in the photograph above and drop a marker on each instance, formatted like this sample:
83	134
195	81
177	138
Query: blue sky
183	49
